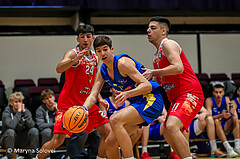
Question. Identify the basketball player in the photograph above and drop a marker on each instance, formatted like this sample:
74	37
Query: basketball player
80	65
179	81
123	73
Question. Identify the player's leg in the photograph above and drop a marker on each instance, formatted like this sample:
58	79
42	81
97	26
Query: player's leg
104	130
175	137
55	142
118	121
232	125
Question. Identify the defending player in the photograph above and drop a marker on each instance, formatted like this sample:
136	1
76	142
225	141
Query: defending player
80	65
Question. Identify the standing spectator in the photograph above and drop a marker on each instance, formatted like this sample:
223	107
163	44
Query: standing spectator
225	120
45	115
18	126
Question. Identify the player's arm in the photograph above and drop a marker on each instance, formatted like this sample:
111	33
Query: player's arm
126	67
97	87
209	105
69	59
172	51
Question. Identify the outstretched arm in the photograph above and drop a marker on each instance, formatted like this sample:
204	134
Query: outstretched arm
69	59
97	87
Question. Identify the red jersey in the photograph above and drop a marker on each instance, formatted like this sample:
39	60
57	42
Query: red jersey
177	85
78	82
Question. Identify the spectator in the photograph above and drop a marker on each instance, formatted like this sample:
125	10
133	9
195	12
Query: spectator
205	120
18	126
45	115
236	104
225	119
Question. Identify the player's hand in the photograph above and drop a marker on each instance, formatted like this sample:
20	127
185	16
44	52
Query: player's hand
201	116
226	115
120	98
161	119
147	74
104	103
85	108
80	55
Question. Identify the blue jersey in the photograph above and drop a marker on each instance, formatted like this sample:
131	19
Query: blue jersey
112	109
148	105
238	107
216	110
121	83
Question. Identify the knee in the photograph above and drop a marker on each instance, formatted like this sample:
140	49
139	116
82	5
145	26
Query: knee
111	141
210	120
33	132
114	121
171	128
217	122
10	133
46	132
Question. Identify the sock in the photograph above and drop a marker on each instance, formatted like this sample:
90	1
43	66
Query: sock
129	158
144	149
171	149
188	157
213	145
227	146
237	143
100	157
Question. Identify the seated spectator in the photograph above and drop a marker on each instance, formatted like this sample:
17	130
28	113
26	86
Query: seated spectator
18	126
205	120
236	105
225	120
45	115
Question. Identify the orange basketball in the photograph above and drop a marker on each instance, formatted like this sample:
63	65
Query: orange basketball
75	120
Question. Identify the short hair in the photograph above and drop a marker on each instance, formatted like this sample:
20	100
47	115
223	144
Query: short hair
102	40
16	96
218	86
45	93
160	19
86	28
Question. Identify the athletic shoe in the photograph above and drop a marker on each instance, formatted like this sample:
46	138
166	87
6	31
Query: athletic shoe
145	155
218	153
173	155
231	153
237	150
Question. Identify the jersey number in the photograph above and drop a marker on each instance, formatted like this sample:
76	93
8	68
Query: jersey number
89	69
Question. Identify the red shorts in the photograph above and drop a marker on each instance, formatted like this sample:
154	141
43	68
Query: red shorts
96	118
185	107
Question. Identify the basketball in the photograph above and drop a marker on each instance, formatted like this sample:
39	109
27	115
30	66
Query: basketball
75	120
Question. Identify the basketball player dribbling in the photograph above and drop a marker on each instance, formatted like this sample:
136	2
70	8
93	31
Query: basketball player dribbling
176	76
80	66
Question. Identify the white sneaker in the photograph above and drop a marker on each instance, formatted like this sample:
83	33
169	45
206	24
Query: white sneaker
231	153
5	157
237	150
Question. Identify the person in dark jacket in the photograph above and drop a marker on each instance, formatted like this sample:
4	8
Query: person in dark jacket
45	115
18	126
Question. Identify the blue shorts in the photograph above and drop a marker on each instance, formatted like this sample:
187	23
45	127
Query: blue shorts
154	132
192	134
149	107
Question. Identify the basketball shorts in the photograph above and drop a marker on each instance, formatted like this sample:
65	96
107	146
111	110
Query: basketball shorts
154	132
96	118
185	108
149	107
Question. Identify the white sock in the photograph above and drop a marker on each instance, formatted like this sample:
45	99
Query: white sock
171	149
188	157
100	157
237	143
227	145
213	145
144	149
129	158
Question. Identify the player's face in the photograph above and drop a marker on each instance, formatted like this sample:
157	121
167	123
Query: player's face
104	53
85	40
156	32
49	100
218	93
